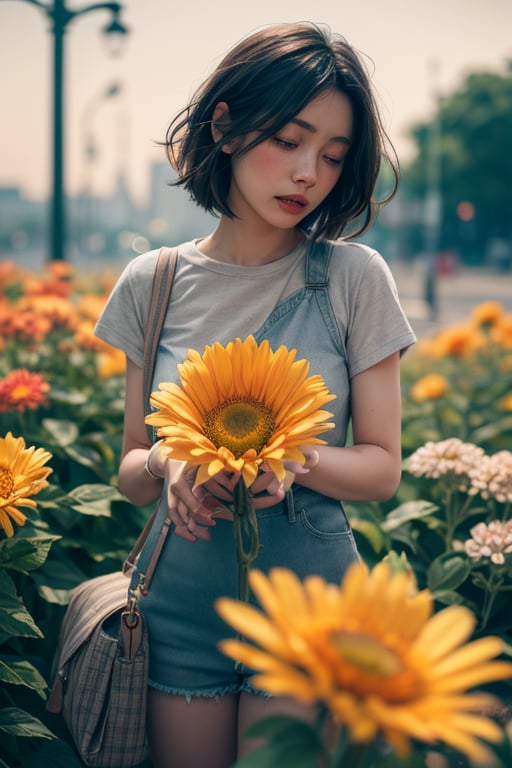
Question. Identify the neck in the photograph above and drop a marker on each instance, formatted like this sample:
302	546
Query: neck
236	244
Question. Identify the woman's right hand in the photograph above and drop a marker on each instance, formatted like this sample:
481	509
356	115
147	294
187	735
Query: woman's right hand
193	510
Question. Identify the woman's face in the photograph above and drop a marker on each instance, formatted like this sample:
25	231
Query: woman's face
285	177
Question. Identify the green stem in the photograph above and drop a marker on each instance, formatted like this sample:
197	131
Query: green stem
493	587
351	755
246	535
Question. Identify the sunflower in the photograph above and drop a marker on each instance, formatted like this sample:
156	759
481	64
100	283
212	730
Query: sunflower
373	653
22	475
239	407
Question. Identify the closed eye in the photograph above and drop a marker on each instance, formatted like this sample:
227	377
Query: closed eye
334	160
285	143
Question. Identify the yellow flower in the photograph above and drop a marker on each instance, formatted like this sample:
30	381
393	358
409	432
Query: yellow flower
373	653
429	387
240	406
22	475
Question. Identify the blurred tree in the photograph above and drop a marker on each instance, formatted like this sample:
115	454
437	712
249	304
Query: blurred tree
474	145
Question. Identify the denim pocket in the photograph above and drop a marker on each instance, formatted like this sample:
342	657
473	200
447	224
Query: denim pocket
325	519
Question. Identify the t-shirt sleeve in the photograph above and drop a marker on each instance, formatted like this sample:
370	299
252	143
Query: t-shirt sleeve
123	319
377	325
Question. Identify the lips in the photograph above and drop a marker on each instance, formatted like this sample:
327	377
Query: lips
292	203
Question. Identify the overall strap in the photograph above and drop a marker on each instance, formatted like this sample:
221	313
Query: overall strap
318	260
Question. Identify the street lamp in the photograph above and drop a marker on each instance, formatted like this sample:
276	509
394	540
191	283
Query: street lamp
60	16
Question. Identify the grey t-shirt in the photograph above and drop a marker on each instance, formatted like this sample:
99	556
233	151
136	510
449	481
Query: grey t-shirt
216	301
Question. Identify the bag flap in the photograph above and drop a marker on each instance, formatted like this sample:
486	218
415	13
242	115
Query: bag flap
91	603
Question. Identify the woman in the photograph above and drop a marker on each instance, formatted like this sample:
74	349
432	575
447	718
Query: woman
284	143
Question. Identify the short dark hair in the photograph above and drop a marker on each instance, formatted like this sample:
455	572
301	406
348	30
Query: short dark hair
266	79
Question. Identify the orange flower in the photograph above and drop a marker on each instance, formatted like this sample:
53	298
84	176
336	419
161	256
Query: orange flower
458	340
25	325
91	306
111	362
429	387
21	391
487	314
501	332
57	309
506	403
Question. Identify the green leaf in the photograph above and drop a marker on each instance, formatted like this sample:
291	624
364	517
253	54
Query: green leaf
416	760
447	572
83	456
291	743
71	397
17	722
21	672
25	554
451	597
63	432
371	532
15	620
54	753
410	510
488	432
94	499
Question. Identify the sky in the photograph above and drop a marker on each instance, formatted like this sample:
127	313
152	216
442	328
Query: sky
416	50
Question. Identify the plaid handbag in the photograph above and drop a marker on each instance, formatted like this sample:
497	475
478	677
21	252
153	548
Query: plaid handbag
101	664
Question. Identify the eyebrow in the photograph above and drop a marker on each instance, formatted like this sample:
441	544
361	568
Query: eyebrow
312	129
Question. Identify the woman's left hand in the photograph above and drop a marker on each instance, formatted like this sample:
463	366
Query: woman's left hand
272	489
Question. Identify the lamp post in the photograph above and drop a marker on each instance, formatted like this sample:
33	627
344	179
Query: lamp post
60	16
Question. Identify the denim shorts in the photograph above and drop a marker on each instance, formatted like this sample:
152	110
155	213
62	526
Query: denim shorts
307	533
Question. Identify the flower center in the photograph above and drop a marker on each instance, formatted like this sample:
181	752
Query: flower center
6	483
20	392
363	651
239	425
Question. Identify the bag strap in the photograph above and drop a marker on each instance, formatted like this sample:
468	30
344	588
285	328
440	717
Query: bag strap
160	295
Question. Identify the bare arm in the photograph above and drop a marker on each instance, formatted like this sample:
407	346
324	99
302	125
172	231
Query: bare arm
370	469
134	481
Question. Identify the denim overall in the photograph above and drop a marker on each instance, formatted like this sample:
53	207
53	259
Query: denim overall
307	532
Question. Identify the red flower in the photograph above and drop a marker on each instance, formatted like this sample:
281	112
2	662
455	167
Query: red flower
21	390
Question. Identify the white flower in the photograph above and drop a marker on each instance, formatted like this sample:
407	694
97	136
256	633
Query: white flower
493	541
491	477
447	457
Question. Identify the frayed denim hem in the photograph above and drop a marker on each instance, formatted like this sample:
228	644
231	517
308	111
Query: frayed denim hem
211	693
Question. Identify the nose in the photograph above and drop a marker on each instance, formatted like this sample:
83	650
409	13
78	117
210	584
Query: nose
304	171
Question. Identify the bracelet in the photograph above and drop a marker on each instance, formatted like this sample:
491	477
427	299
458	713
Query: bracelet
148	469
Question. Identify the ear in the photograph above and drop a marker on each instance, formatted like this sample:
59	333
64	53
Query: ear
220	122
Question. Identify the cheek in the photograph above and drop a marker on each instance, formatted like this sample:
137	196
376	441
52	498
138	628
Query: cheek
263	159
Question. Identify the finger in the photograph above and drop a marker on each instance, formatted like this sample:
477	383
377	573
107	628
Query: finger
198	531
266	500
184	533
227	480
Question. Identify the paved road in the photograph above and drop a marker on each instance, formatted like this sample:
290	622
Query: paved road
457	294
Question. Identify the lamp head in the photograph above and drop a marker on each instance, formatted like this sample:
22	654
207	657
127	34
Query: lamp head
115	33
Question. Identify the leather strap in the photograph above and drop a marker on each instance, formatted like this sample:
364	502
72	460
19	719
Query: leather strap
160	295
